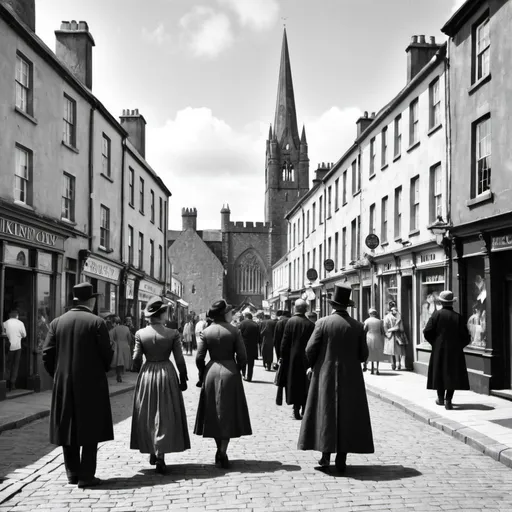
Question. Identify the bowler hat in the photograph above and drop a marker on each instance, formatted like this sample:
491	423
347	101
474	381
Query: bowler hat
154	305
218	308
446	297
341	297
84	291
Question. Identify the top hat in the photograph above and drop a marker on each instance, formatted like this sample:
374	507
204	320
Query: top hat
446	297
341	297
221	307
84	291
154	306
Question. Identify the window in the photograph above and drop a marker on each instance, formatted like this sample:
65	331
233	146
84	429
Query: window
344	247
141	195
482	165
160	213
104	227
384	147
105	156
435	104
353	240
320	208
131	186
398	212
68	198
372	156
22	174
413	122
415	203
436	192
354	177
141	250
337	194
344	187
160	263
24	84
336	250
372	218
329	199
398	135
384	220
307	223
130	245
152	195
151	258
314	216
69	133
482	50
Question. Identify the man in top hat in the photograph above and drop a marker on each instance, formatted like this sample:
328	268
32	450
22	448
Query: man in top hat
77	354
337	418
448	334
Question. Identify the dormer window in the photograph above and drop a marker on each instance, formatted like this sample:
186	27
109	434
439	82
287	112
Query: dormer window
288	172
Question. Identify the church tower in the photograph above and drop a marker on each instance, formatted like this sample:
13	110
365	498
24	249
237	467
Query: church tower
287	162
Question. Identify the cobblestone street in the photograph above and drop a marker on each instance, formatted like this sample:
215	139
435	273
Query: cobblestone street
415	467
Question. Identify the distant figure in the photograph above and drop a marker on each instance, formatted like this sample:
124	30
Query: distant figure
446	331
15	332
297	332
279	332
77	354
250	336
374	329
267	331
121	337
337	418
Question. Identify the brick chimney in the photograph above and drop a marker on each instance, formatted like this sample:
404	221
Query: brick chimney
419	52
362	123
135	124
25	10
74	48
189	218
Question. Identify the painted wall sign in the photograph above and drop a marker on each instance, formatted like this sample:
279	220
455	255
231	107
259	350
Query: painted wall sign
23	232
147	289
501	242
101	269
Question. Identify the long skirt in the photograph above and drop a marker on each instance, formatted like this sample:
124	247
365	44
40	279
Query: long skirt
159	421
222	412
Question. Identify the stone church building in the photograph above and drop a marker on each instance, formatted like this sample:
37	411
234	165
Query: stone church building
235	262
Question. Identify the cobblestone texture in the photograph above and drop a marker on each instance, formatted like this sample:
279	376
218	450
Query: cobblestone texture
415	467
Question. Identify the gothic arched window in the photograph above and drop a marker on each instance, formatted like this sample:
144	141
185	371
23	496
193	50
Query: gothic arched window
250	278
288	171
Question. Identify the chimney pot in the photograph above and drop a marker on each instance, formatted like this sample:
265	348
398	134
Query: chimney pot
432	40
421	39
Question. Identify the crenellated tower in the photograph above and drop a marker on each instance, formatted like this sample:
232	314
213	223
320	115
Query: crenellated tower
287	162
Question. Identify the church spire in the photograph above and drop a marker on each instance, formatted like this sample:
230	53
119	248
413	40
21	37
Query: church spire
285	123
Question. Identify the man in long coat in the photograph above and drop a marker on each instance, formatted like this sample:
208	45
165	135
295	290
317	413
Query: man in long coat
250	332
448	334
267	331
77	354
297	332
337	418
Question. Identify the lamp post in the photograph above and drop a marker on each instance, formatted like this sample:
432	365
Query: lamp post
441	230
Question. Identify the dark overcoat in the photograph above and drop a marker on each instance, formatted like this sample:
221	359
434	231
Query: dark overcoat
337	418
297	332
278	334
77	354
250	332
448	334
267	331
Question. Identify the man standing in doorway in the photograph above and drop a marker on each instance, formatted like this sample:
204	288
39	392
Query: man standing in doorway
15	332
77	354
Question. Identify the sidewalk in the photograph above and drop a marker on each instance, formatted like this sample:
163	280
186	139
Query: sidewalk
16	412
481	421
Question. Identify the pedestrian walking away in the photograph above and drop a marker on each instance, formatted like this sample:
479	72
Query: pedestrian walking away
15	332
396	339
250	332
297	332
121	338
267	332
77	355
222	412
448	334
337	418
159	421
375	335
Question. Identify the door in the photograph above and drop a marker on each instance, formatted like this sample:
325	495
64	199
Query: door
508	341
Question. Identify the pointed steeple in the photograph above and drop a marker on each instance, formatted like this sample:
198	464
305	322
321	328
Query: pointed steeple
285	123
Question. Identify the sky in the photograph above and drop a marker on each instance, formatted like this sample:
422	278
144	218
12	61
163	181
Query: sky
204	73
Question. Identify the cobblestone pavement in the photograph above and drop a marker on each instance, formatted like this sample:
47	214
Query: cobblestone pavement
415	467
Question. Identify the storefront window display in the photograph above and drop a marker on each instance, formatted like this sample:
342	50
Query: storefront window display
431	285
389	291
476	296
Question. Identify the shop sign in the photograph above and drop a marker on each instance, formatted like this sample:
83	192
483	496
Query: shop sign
102	270
23	232
501	242
147	289
130	289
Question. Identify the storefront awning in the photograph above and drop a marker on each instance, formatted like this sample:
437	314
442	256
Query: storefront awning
181	302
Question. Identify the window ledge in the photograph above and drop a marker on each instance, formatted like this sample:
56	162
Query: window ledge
107	177
414	232
474	87
413	146
372	176
397	157
384	167
26	115
70	147
67	221
23	205
104	249
354	194
434	129
485	197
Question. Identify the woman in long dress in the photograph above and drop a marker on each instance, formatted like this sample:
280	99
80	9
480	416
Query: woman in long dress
159	422
121	337
375	334
222	412
394	344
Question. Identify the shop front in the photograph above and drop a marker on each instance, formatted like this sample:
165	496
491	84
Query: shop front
31	257
146	290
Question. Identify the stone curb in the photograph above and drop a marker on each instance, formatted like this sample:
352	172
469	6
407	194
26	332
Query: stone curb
467	435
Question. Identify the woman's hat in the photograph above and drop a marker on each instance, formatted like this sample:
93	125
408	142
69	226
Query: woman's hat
221	307
154	306
341	297
446	297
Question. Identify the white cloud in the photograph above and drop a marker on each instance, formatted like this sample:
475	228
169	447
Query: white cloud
255	14
457	5
159	35
206	31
